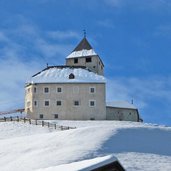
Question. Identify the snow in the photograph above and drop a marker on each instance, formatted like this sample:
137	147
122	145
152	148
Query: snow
137	146
121	104
82	53
58	75
85	165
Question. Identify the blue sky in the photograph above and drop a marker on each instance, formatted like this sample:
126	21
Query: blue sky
132	37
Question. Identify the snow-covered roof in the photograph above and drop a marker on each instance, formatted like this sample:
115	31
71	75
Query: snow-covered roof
82	53
121	104
60	74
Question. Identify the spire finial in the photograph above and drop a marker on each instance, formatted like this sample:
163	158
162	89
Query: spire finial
84	31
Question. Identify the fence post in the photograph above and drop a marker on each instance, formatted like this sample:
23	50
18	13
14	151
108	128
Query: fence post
48	125
43	123
36	121
24	120
55	126
29	121
5	119
17	118
11	118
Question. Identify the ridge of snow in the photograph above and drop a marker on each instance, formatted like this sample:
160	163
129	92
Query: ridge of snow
85	165
82	53
58	75
121	104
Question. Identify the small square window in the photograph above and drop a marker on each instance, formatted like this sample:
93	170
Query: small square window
88	59
46	103
59	89
92	89
92	103
76	103
58	103
75	60
56	116
41	116
46	90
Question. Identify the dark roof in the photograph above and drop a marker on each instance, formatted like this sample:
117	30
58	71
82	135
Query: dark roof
84	44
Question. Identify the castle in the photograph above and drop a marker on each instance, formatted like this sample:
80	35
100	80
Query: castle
75	91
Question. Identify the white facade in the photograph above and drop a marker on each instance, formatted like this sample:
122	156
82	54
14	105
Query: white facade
52	94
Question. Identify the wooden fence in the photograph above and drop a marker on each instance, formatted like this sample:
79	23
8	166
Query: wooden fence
36	122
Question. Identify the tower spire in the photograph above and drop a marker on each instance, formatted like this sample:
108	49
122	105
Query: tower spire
84	32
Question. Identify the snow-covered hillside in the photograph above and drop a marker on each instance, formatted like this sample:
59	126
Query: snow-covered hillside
137	146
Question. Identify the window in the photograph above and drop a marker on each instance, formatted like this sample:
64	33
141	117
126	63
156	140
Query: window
46	90
58	103
35	103
92	103
88	59
76	103
46	102
75	60
56	116
35	89
41	116
92	90
71	76
59	89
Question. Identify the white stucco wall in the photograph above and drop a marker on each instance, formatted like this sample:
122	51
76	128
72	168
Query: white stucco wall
70	92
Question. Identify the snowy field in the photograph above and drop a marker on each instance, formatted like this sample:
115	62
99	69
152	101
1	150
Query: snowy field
137	146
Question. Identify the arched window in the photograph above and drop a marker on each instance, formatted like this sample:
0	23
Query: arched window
71	76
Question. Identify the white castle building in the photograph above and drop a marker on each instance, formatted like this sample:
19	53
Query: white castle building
75	91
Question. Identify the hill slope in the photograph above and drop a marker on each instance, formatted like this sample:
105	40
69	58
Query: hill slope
137	146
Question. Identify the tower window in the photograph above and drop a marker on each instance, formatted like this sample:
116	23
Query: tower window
75	60
88	59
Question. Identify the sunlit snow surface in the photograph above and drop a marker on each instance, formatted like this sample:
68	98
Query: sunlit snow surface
82	53
137	146
58	75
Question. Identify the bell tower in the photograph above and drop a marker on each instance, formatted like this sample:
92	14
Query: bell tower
84	55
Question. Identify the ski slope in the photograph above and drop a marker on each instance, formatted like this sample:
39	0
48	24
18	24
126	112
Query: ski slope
137	146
